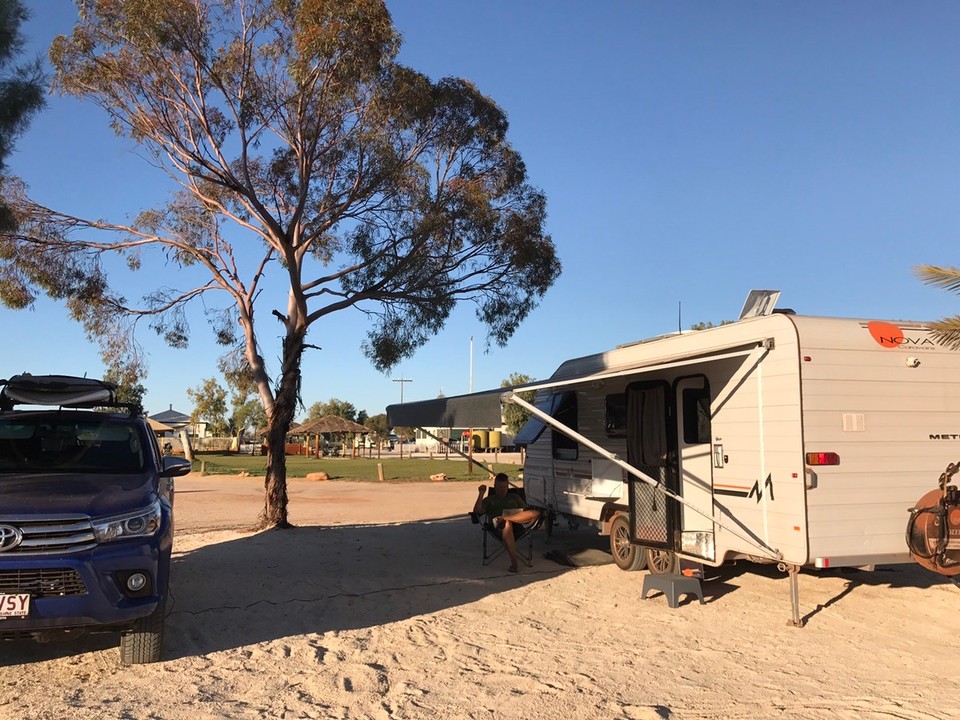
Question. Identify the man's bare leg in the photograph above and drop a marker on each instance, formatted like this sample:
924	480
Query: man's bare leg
510	543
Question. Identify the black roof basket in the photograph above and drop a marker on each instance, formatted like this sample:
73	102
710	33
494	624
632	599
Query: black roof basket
61	391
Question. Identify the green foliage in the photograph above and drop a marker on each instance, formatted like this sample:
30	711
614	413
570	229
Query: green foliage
248	415
514	416
361	469
297	141
21	95
333	406
127	380
210	404
706	325
377	425
404	433
265	130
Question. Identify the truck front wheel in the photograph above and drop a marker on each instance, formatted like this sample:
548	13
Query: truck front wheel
626	555
144	642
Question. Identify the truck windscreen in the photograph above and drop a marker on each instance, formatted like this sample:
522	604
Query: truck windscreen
61	444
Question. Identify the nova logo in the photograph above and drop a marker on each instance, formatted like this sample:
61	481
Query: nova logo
889	335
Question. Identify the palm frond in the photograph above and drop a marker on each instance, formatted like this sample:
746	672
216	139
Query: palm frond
945	277
947	332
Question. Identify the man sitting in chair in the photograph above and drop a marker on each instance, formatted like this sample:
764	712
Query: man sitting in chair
505	512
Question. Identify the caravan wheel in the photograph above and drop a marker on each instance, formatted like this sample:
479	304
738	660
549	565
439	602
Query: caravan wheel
626	555
661	562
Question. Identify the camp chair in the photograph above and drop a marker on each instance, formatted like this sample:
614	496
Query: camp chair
493	546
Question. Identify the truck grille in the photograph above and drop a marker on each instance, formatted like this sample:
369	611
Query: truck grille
43	583
45	537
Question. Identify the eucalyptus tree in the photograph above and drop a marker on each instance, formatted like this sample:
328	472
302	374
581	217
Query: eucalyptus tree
307	159
21	90
333	406
209	404
514	416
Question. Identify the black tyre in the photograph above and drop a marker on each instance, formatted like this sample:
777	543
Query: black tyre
661	562
144	643
626	555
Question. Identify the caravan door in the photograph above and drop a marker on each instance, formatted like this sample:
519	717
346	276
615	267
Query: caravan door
695	466
651	437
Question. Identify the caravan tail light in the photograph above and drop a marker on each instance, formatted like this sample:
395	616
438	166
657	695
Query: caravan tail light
823	458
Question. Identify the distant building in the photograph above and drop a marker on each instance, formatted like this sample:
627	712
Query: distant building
484	439
178	421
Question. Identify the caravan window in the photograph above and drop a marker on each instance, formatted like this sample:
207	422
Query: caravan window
696	416
615	415
565	411
534	427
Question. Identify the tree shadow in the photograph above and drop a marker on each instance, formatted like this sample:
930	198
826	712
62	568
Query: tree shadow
313	580
262	587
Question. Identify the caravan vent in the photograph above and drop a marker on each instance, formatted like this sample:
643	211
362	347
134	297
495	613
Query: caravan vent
853	422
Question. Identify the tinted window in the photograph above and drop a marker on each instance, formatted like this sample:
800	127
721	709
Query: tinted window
615	415
61	444
565	411
696	416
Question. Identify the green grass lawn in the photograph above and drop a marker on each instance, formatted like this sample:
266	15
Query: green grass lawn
360	469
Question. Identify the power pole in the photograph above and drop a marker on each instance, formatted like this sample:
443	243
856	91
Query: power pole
470	450
402	381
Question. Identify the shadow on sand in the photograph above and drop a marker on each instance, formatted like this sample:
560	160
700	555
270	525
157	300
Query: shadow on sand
270	585
266	586
719	581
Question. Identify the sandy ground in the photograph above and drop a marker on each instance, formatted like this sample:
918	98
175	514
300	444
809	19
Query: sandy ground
377	606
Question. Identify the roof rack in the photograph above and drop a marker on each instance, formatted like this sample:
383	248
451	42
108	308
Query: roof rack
61	391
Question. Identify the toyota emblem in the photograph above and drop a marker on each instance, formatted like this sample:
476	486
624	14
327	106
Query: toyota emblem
10	537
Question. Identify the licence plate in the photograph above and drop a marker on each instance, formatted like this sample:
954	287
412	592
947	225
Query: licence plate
14	605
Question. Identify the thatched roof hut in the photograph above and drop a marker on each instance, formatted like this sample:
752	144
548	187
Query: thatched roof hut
329	424
306	436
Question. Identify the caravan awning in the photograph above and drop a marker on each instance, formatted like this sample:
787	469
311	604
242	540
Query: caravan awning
479	410
483	409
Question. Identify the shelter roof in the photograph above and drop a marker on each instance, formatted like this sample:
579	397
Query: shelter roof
158	426
171	417
329	424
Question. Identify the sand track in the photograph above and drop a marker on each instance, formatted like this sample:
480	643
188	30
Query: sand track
377	606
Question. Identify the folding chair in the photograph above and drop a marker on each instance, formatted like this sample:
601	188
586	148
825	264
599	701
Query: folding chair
493	546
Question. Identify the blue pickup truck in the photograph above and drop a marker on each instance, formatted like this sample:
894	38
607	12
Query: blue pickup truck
86	515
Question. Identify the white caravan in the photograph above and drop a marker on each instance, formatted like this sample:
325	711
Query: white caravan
802	441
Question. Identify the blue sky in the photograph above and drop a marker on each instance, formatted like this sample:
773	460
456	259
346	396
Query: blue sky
689	151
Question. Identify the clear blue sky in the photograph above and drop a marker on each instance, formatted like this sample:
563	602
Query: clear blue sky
689	151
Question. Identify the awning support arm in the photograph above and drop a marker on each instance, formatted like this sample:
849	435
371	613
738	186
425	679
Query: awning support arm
514	398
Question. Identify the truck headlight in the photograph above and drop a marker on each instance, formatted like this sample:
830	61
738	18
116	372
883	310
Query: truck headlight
142	523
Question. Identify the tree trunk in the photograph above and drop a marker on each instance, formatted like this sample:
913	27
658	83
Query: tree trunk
275	485
278	423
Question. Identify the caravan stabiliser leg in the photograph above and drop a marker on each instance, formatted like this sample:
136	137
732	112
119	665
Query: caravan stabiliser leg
794	570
